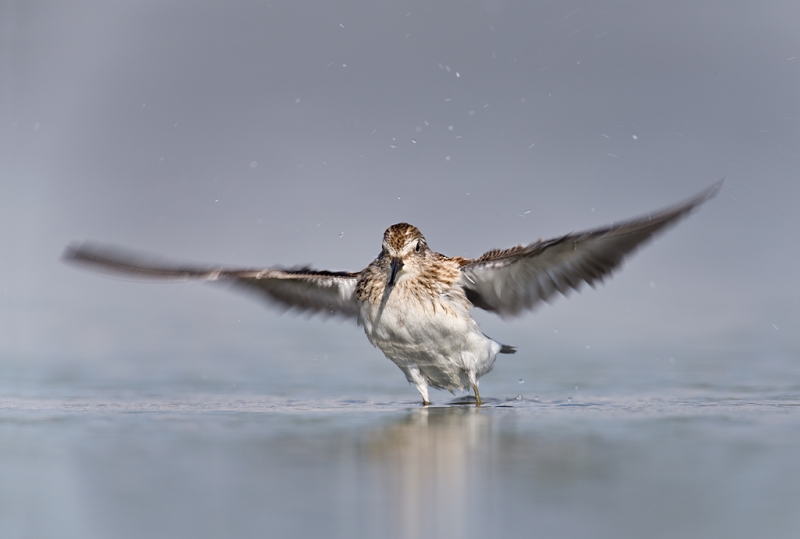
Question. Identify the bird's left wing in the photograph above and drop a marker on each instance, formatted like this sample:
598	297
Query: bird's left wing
302	289
513	280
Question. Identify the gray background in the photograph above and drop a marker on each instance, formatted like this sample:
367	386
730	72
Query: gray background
663	404
288	133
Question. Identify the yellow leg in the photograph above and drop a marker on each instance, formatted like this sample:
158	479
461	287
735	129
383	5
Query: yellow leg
478	400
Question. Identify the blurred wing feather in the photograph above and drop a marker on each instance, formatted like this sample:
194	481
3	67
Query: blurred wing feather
303	289
510	281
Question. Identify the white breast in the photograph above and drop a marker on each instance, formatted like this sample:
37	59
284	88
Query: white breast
437	339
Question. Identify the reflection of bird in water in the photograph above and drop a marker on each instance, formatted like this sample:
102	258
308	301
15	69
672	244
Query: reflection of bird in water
424	469
415	303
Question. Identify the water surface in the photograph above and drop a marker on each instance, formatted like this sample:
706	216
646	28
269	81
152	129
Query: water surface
705	455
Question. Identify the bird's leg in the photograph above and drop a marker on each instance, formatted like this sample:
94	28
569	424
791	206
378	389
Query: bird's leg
478	400
414	376
423	390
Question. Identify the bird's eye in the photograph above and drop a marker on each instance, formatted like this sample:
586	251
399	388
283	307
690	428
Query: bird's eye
417	247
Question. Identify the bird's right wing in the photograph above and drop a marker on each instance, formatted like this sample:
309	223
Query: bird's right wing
301	289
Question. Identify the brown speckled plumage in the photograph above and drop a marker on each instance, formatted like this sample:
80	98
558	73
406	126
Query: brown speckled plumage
437	274
397	236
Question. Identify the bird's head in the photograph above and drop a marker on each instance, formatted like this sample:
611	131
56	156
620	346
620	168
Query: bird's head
405	248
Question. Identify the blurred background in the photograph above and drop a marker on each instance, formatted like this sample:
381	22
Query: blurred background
260	134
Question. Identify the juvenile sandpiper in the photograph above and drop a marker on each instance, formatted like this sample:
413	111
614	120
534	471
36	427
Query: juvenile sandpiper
414	303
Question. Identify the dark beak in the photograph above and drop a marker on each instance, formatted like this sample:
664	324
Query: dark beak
397	265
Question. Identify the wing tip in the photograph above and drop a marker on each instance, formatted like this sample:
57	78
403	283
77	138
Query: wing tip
82	253
712	191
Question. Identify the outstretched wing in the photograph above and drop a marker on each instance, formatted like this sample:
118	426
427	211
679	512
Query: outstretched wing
512	280
302	289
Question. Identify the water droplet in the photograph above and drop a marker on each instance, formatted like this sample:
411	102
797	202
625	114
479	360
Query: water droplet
472	113
458	74
447	158
449	127
521	381
418	129
635	137
341	234
296	101
672	360
344	65
569	399
652	284
253	164
531	146
576	388
392	146
587	346
413	141
536	398
217	200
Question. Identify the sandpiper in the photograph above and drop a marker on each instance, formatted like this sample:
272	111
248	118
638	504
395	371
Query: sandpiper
414	303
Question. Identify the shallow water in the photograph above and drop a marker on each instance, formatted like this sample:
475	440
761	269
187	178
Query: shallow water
700	453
